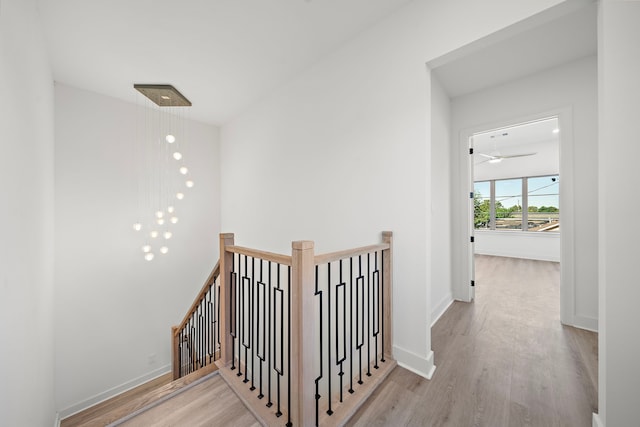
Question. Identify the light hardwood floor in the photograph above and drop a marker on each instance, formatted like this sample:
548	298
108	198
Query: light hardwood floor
504	360
209	403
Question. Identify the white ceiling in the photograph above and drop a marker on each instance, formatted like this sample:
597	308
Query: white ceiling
535	138
500	59
221	54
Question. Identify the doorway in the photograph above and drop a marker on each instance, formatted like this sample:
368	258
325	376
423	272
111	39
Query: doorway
515	186
517	164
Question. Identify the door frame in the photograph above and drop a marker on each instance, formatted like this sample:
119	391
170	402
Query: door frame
567	230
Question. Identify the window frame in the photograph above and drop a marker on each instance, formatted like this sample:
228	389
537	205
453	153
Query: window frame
524	203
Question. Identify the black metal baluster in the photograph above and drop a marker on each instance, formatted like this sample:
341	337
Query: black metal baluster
270	356
261	301
192	345
232	313
382	305
319	294
251	322
376	305
180	352
359	316
209	316
279	370
210	328
200	328
217	304
351	325
340	290
368	315
329	394
212	320
207	329
244	315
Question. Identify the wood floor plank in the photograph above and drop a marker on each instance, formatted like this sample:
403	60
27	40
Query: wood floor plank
208	403
503	360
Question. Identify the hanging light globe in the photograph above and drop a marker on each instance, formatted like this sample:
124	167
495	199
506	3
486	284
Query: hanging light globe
170	139
146	249
159	214
179	196
164	250
174	220
184	170
189	184
137	226
170	209
167	235
153	234
177	155
148	256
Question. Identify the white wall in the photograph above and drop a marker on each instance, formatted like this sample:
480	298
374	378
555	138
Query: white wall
518	244
343	152
114	310
26	215
619	90
572	86
441	291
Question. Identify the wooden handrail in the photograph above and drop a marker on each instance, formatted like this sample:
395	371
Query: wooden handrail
211	279
256	253
337	256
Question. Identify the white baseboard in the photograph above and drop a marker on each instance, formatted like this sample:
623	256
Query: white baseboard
417	364
583	322
537	257
56	422
597	422
440	308
114	391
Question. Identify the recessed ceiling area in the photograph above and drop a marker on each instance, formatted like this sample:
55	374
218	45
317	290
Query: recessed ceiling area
514	54
223	55
550	39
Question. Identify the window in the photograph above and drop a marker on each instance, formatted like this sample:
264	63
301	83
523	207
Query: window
543	203
482	204
528	204
508	194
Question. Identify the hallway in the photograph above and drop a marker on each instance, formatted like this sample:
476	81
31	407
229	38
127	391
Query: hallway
504	360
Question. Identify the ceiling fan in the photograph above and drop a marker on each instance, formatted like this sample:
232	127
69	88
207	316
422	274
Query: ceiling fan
497	158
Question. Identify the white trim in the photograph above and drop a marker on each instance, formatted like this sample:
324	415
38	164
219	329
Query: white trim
441	307
114	391
597	422
56	422
584	322
415	363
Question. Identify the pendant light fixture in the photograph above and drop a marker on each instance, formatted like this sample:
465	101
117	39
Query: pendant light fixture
163	174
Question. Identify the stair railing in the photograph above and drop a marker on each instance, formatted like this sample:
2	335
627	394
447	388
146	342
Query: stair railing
196	340
305	338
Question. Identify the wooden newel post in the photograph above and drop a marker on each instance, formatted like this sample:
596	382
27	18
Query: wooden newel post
226	267
303	331
387	294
